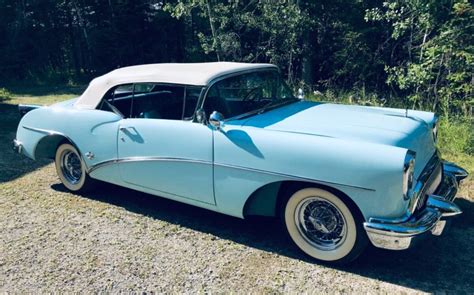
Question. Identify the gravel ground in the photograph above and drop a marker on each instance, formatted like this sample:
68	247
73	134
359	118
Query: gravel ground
120	240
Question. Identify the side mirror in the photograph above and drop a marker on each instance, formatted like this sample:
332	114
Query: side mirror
215	119
300	94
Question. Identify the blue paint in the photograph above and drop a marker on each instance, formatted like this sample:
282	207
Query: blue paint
357	150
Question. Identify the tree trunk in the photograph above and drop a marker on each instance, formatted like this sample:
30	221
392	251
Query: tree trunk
213	30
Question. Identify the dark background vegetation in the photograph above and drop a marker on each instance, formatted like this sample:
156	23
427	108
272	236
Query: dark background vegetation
385	52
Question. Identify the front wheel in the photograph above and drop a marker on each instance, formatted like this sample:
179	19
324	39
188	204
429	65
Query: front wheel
323	226
71	169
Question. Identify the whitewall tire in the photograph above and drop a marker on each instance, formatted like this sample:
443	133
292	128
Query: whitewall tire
71	169
323	226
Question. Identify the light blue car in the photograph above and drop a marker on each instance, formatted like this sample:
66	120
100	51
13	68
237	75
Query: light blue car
232	138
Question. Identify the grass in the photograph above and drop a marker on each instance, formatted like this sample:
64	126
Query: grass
456	141
42	95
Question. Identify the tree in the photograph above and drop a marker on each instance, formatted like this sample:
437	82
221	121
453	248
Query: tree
432	51
250	31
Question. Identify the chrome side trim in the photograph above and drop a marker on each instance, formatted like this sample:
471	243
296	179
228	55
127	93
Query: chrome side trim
173	159
292	176
44	131
144	159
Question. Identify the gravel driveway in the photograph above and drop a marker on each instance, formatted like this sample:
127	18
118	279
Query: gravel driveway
120	240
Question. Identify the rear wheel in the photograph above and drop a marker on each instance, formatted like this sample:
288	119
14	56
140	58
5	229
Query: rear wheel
71	169
323	226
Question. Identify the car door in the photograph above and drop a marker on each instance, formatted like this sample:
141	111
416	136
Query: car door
161	151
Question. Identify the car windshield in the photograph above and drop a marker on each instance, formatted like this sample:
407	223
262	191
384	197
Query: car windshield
248	94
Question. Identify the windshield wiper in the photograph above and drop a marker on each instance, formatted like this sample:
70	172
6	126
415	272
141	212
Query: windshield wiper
267	107
274	104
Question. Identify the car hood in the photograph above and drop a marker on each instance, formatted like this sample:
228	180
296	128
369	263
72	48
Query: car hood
354	123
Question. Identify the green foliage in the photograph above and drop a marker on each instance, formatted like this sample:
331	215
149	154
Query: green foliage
5	94
457	136
415	49
436	39
257	31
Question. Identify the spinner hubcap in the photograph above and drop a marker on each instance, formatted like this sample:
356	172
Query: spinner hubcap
320	223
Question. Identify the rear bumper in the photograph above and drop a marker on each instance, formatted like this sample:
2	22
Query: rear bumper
396	235
17	146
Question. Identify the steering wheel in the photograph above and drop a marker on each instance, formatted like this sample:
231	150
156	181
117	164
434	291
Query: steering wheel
251	92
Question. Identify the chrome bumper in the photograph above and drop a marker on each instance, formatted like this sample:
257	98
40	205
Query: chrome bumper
400	235
17	146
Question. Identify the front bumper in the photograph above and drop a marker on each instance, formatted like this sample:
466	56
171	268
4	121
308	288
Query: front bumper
402	234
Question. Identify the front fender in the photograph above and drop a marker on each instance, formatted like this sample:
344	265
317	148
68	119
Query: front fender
247	158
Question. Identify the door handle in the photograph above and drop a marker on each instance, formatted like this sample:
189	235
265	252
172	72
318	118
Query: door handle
124	130
128	129
131	132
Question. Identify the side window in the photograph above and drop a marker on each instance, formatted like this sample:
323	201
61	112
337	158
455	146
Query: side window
118	99
154	101
122	96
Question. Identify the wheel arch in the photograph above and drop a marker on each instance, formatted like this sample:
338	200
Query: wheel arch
47	146
269	199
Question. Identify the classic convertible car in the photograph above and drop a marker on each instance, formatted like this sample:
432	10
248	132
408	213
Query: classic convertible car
231	137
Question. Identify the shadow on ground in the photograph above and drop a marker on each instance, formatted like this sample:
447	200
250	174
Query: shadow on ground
12	165
437	264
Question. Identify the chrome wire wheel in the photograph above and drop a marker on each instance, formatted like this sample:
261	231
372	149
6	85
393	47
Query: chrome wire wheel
71	166
71	169
321	223
323	226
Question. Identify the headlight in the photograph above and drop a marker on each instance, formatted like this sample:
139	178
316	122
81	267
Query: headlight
435	128
408	171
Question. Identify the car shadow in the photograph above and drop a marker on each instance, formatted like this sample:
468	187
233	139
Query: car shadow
13	165
438	264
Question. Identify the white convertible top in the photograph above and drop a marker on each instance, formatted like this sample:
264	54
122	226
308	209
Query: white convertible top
199	74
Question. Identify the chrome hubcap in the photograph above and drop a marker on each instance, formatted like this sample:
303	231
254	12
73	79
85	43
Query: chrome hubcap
71	166
321	223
